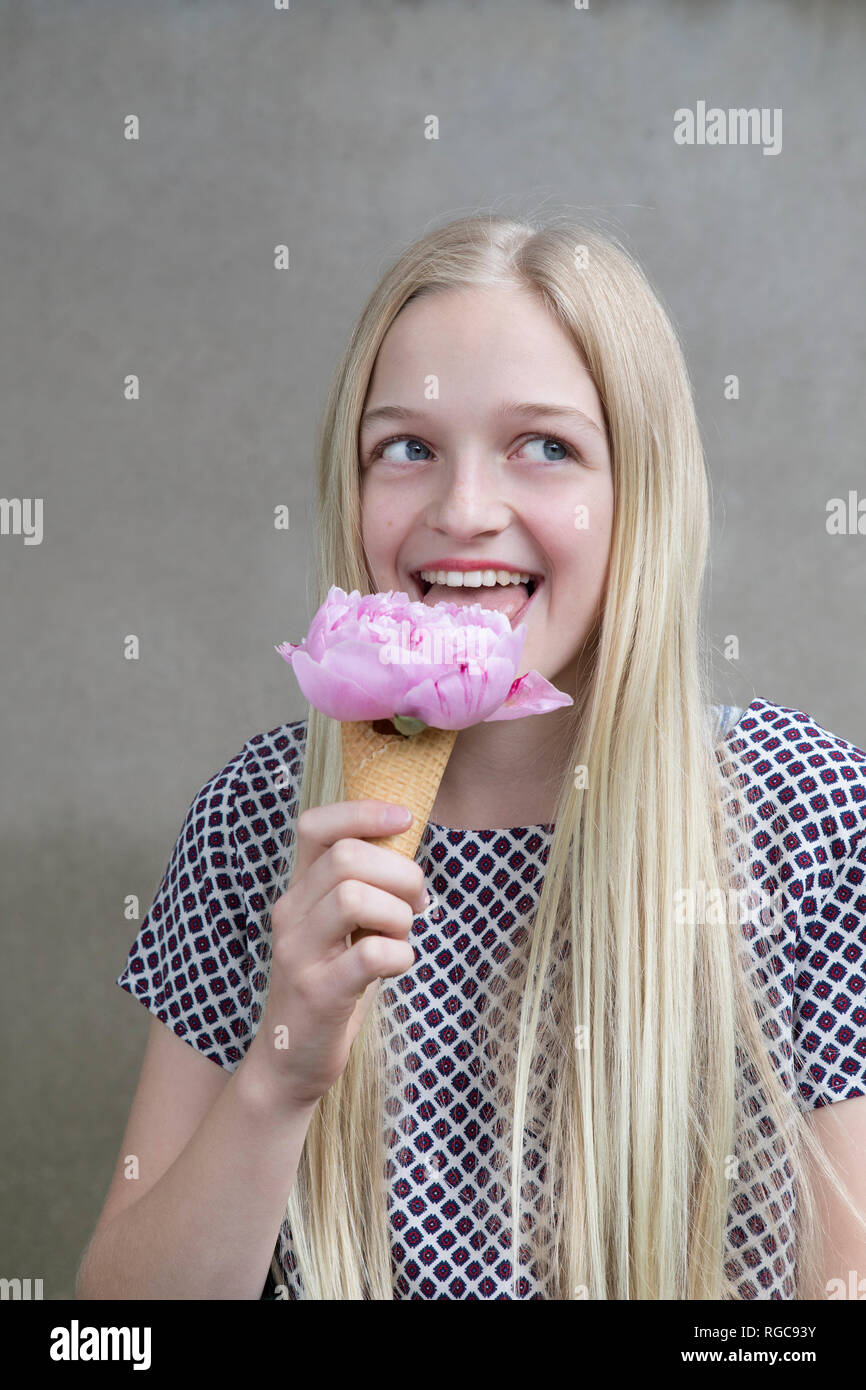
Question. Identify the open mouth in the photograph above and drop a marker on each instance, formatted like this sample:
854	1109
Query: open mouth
477	591
424	585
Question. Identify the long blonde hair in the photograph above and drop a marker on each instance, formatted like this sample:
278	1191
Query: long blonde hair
621	1038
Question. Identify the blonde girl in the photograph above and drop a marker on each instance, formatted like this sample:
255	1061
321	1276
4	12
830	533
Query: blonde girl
645	1074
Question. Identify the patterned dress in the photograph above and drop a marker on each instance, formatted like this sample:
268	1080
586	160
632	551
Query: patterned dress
199	963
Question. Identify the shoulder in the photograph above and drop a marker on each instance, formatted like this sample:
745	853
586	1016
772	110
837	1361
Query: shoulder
783	731
266	782
803	780
253	793
269	766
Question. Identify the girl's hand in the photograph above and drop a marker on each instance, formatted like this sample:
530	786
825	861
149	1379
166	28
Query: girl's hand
320	991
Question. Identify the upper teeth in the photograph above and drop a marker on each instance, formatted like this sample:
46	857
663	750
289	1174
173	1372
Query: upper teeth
474	578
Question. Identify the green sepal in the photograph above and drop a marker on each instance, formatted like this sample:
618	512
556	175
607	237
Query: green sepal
405	725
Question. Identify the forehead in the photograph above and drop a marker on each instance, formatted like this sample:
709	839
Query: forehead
454	342
467	313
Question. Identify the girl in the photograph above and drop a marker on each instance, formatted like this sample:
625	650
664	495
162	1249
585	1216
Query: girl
589	1067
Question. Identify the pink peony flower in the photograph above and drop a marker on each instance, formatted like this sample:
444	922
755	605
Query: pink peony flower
385	656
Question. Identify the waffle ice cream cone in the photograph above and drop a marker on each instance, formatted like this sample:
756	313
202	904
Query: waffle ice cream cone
396	767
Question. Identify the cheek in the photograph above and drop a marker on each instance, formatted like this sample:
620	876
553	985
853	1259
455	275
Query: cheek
588	545
375	519
380	533
579	560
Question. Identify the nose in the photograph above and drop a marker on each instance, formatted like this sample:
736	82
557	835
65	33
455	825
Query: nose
469	500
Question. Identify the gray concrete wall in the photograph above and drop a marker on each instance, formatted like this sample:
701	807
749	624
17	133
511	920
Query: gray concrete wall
155	257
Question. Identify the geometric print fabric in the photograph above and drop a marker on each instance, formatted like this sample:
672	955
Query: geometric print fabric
200	958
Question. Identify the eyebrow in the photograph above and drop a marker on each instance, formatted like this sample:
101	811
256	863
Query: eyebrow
522	408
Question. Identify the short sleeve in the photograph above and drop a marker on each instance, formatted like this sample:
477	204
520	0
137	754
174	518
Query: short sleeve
829	1008
189	963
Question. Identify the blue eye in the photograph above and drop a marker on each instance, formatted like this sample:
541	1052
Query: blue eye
559	443
379	451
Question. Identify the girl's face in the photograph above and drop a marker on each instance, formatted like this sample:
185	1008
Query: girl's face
474	381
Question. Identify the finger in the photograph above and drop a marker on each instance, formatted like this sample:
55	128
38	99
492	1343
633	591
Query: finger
357	859
319	827
370	959
352	904
359	932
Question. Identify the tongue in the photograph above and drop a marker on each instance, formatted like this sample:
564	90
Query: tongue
505	598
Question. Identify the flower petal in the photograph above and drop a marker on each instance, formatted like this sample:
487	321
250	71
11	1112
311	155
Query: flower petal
530	694
361	659
456	699
335	695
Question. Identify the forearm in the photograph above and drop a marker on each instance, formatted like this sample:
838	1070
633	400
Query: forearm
207	1229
